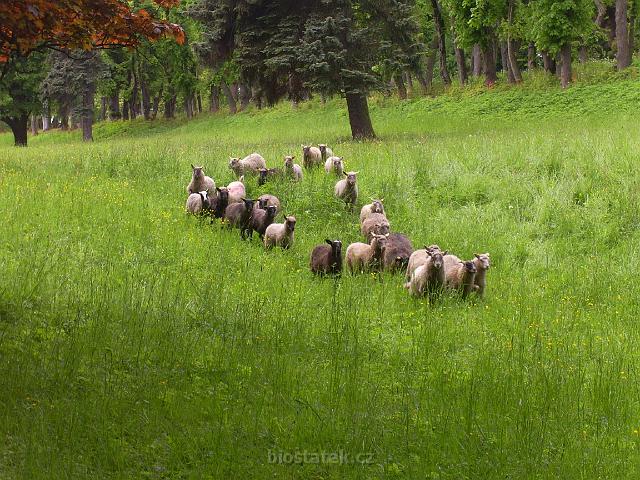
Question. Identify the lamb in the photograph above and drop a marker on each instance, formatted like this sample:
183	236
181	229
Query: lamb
420	257
239	215
327	259
376	223
265	200
335	164
267	173
482	264
199	182
374	207
237	191
280	234
347	189
291	169
311	156
397	252
362	257
198	203
325	151
460	275
250	164
219	203
261	219
429	277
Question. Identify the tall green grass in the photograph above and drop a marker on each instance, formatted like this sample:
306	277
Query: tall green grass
136	341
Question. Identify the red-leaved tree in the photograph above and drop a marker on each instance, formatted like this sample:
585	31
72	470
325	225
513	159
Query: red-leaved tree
33	26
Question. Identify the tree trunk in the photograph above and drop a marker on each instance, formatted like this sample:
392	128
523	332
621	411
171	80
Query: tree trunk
34	125
476	56
565	73
214	98
426	79
114	107
234	91
256	96
18	126
623	54
489	58
359	119
402	90
199	99
230	98
582	54
408	80
531	56
103	108
134	103
548	63
462	66
86	118
64	117
244	95
125	109
504	58
188	106
146	98
46	117
442	41
512	48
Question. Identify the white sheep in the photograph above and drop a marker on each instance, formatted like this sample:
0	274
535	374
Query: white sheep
362	257
197	202
482	264
347	189
280	234
311	156
237	191
420	257
291	169
376	223
374	207
460	275
334	164
325	151
428	277
199	182
251	164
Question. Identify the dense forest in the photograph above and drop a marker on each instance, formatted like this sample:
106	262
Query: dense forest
230	54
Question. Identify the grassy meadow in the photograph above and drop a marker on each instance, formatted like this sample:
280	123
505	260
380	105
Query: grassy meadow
139	342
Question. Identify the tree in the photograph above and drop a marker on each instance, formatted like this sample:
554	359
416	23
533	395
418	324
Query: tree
69	25
288	47
19	88
555	25
623	50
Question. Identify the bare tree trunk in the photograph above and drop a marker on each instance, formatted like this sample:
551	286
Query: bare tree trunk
34	124
46	117
199	98
64	116
125	109
565	73
462	66
442	41
512	48
103	108
623	54
548	63
18	126
114	107
531	56
478	61
214	98
244	95
506	67
408	80
86	118
146	98
156	103
426	78
359	119
488	55
402	90
188	106
230	98
582	54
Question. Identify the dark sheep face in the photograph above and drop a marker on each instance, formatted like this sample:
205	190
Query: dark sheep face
223	194
336	247
233	163
248	203
263	176
323	148
262	203
470	267
305	150
337	164
271	211
288	161
436	259
377	207
351	178
290	223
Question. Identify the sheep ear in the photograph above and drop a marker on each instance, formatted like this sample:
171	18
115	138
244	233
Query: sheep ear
345	173
355	173
477	255
487	254
293	157
218	189
445	253
381	200
328	241
192	167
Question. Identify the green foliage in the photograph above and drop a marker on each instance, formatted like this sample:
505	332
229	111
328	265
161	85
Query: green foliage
557	22
475	21
19	87
136	341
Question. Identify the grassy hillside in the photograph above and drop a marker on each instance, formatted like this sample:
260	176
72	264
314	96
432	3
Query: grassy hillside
136	341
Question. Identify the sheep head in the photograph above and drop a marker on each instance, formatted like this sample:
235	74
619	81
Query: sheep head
336	247
198	172
271	211
483	262
351	177
469	267
436	258
290	222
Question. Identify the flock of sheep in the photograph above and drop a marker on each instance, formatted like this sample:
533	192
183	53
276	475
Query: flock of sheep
428	271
